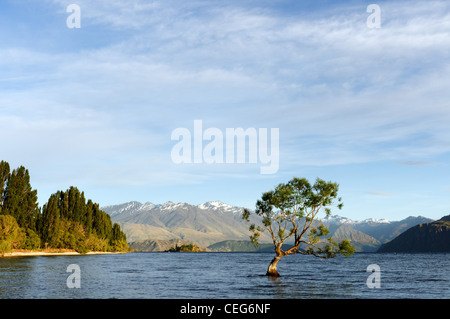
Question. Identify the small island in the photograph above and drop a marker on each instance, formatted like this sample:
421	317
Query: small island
185	248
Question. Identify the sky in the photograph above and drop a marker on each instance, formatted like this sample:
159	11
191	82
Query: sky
95	106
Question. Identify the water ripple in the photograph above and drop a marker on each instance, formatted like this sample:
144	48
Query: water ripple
226	275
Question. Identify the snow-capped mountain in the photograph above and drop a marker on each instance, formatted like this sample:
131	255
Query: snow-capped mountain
205	224
336	219
133	207
215	221
380	230
333	219
119	209
220	207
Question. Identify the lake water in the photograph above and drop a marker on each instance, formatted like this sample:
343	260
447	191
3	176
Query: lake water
225	276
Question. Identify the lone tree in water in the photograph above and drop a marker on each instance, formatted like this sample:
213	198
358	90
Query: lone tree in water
289	211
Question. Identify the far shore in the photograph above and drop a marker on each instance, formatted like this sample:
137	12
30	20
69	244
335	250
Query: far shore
52	252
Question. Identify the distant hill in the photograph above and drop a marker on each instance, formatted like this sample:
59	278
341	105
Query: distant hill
359	240
219	223
429	237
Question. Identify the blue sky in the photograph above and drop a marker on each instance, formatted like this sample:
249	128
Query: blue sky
94	107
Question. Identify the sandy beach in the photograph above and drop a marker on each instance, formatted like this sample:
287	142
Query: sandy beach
51	253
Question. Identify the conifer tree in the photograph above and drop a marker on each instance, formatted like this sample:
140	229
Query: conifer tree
88	217
11	235
4	174
118	238
69	222
20	200
66	220
50	220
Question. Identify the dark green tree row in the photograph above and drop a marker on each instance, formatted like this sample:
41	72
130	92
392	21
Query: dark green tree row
66	221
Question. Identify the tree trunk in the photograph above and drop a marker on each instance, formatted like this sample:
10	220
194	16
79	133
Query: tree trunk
272	270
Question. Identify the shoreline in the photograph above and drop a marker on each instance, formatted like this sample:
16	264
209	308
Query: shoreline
63	252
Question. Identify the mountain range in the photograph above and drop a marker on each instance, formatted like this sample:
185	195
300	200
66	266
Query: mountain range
219	226
203	224
368	235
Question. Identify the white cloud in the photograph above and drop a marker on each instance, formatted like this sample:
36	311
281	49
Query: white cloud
339	92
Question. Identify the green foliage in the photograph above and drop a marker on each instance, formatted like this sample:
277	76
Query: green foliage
4	174
93	243
50	220
5	247
19	199
290	211
32	240
11	235
346	248
66	221
70	235
71	222
118	241
185	248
